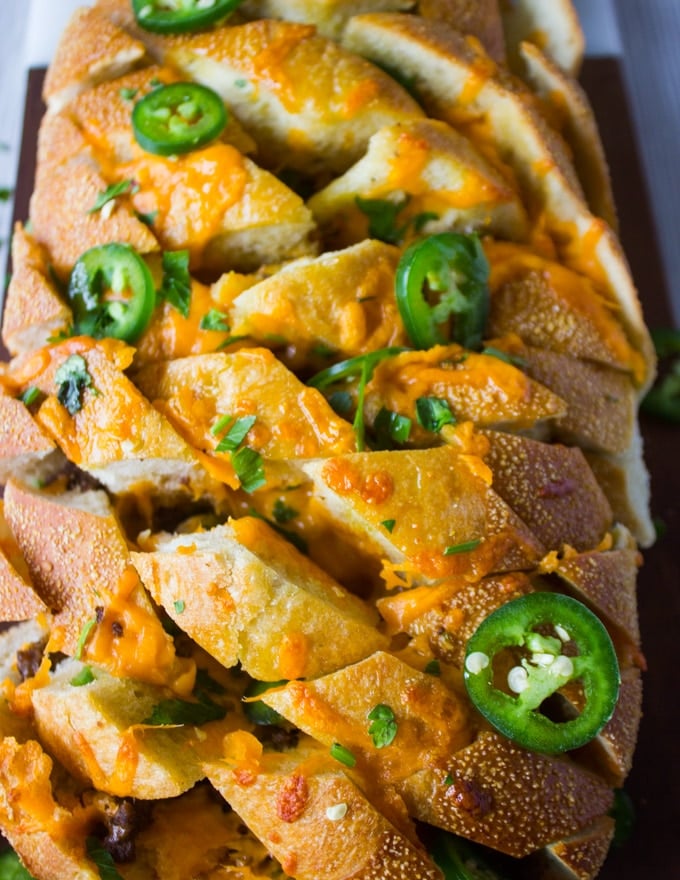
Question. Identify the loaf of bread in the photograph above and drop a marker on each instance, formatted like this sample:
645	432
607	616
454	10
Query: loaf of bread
324	363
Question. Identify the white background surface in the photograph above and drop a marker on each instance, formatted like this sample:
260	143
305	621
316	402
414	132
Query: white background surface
645	32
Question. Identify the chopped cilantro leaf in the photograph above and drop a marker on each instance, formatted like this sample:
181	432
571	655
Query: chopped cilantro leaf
215	320
85	676
176	284
382	218
464	547
342	754
433	668
71	379
391	428
179	605
83	637
30	395
383	727
389	524
149	218
236	434
112	192
249	468
282	512
102	859
433	413
176	711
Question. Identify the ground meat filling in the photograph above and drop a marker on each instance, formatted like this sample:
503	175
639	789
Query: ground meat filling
30	658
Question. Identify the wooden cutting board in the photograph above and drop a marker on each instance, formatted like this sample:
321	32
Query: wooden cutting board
653	851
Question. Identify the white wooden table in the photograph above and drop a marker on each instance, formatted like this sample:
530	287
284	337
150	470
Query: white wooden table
646	33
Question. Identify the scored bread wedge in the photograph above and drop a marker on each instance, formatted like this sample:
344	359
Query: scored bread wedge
434	173
553	27
248	596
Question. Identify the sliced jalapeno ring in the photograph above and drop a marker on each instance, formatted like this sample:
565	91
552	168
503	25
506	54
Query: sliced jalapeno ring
527	623
455	268
177	118
111	292
179	16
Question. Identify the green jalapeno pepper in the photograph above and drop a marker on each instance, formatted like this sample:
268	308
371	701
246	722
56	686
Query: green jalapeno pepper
179	16
455	268
459	859
111	292
178	118
579	650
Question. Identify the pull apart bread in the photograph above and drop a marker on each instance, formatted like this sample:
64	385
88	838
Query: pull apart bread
323	484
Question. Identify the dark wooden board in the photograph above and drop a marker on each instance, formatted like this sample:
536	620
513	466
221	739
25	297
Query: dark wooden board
654	784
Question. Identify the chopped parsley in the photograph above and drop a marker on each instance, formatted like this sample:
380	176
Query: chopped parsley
391	429
448	779
383	727
249	468
389	524
30	395
83	637
383	215
282	512
236	434
179	712
464	547
342	754
215	320
71	379
85	676
112	192
102	859
433	413
176	284
179	606
433	668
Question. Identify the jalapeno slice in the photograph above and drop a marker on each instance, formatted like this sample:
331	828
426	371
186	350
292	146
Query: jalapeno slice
111	293
179	16
459	859
453	269
561	641
178	118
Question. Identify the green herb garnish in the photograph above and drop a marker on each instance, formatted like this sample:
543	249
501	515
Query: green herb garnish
30	395
176	284
11	867
433	413
383	727
179	606
83	637
215	320
433	668
71	379
389	524
180	712
342	754
282	513
236	434
128	94
464	547
112	192
102	859
249	468
85	676
391	428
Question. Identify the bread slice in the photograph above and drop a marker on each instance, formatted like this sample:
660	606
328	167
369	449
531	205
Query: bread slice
430	722
91	50
342	302
369	498
100	732
33	308
311	124
578	857
215	202
507	798
27	452
80	565
18	598
328	16
248	596
481	388
569	111
290	420
290	798
553	27
551	488
435	173
111	430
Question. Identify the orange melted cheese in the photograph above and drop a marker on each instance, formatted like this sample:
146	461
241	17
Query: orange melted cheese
130	642
269	67
189	193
